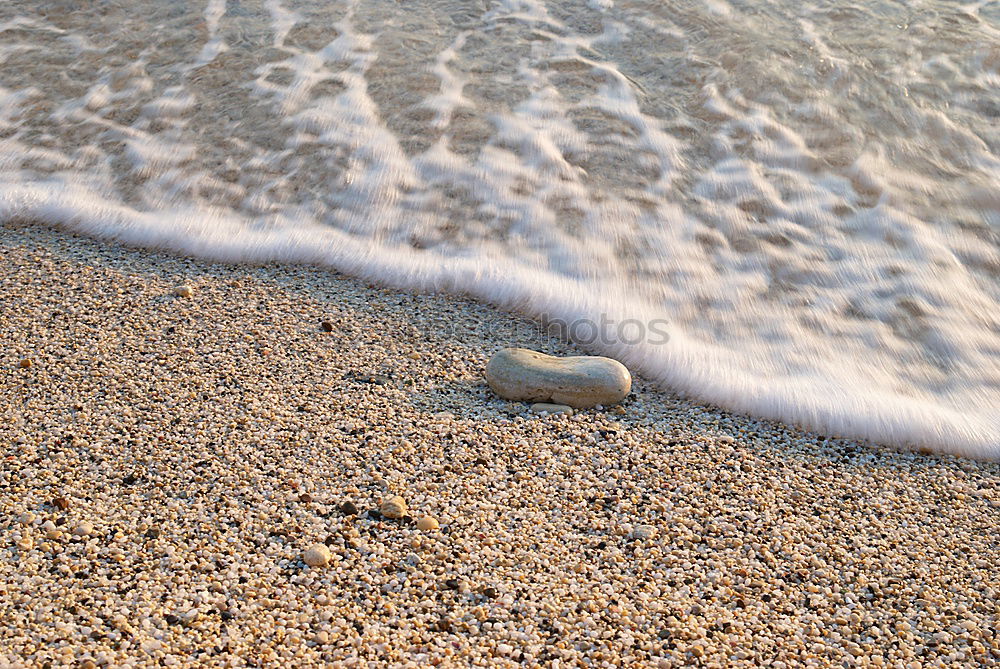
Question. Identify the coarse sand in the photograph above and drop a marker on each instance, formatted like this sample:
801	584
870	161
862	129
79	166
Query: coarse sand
170	456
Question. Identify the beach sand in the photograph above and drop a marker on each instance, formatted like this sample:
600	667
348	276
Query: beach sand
168	460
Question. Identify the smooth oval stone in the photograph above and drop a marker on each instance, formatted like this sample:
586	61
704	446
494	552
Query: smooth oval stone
578	381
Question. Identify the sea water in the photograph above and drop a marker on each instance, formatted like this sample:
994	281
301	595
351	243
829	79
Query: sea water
802	197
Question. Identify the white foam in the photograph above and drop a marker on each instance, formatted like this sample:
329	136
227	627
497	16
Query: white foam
818	231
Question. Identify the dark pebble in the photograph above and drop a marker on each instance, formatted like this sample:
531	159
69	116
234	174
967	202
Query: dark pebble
130	479
375	514
171	619
349	509
305	497
444	625
326	326
451	584
226	615
153	533
490	592
61	503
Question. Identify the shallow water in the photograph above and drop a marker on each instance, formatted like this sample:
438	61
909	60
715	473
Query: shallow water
804	197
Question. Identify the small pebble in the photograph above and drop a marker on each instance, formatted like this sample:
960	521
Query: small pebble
25	363
317	555
84	529
428	523
326	326
184	291
394	507
60	503
643	532
349	508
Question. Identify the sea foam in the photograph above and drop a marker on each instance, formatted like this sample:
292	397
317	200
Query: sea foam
805	194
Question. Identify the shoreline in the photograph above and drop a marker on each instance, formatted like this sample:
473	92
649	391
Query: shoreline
210	440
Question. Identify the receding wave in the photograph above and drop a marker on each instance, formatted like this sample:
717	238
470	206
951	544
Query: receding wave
806	193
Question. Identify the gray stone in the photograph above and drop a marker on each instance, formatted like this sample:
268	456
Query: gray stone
579	381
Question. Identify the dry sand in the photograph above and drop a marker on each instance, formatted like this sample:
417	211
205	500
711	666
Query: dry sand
208	441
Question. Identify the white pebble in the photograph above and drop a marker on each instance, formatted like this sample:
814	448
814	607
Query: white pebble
317	555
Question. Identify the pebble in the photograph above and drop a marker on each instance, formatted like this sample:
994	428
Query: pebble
84	529
428	523
61	503
317	555
349	508
184	291
551	409
25	363
643	532
326	326
581	382
394	507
